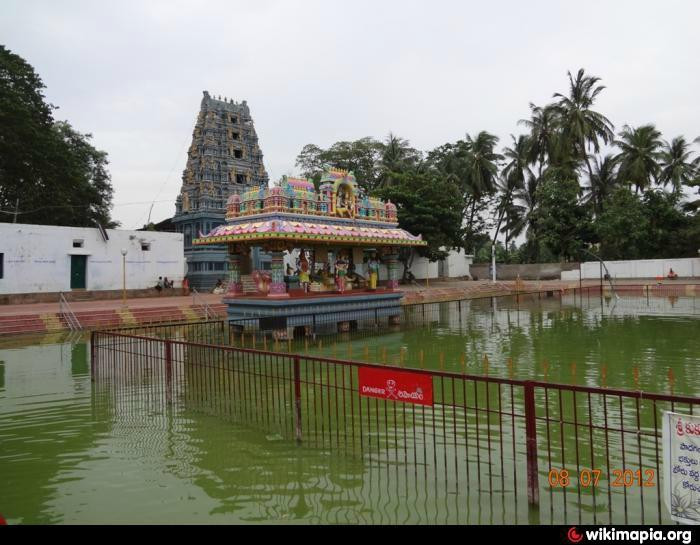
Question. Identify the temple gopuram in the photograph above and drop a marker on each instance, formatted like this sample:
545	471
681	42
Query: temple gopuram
340	237
223	159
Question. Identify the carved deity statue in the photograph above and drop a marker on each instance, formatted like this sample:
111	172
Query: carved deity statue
344	201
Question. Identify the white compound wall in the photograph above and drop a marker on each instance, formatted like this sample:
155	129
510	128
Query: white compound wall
37	258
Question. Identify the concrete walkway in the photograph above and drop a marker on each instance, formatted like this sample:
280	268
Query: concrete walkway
46	317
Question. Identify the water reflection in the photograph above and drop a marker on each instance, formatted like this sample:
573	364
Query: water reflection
45	425
569	339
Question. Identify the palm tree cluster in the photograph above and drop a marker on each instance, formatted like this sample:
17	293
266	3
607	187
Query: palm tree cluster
566	142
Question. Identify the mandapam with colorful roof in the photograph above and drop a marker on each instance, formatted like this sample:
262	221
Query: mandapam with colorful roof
293	212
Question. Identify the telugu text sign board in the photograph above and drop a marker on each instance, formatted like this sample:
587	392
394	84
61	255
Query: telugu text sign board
394	385
681	446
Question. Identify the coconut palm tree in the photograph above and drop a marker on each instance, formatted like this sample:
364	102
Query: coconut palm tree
694	205
603	182
512	179
396	156
563	163
582	126
475	164
522	217
543	126
517	160
676	166
640	152
482	162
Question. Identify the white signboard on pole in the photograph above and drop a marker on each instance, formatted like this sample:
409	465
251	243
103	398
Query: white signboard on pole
681	448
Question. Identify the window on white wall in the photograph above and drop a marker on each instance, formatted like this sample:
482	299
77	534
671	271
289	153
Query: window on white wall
78	243
146	246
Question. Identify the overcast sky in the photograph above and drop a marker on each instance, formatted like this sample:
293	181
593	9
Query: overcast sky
132	73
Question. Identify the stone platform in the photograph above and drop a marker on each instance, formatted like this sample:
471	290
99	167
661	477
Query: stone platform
300	309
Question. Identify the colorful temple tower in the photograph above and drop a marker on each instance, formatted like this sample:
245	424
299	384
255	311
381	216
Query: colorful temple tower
224	159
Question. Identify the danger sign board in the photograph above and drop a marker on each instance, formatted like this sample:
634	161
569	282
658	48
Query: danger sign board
395	385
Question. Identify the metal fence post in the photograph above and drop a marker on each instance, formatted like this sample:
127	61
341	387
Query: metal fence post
297	399
168	366
533	488
92	356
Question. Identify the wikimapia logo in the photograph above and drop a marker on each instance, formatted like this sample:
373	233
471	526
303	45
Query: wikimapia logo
635	536
573	535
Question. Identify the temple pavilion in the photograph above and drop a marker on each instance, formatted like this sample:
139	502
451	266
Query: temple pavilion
335	231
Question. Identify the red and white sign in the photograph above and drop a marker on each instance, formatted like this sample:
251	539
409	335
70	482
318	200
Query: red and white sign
396	385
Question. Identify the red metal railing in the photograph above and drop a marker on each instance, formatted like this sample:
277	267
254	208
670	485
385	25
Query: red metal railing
557	446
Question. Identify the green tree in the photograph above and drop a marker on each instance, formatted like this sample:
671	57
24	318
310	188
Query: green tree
603	182
418	194
563	225
360	156
397	156
47	169
668	226
472	164
621	227
640	152
311	161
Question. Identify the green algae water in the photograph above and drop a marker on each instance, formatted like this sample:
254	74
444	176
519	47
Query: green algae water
72	454
630	342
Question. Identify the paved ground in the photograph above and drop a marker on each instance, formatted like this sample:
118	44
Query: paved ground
111	304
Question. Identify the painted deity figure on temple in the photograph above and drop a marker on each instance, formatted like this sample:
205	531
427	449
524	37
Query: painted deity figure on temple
341	270
373	268
343	202
304	272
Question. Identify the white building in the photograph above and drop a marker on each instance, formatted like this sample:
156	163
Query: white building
50	259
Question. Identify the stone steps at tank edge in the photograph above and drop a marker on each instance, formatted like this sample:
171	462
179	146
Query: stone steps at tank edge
100	319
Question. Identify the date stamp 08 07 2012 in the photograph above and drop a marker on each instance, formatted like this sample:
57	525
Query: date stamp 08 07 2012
587	478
